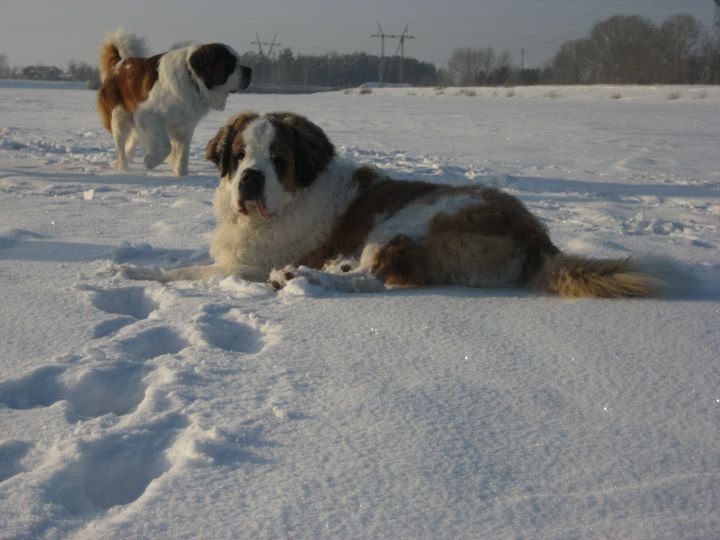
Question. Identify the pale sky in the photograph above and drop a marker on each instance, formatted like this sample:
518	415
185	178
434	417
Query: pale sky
55	31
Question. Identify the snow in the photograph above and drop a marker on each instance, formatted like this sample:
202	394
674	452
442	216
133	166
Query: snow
132	409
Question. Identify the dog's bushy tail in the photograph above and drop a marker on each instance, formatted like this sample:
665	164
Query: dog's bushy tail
116	46
572	276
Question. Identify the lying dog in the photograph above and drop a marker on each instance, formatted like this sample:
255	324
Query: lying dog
159	100
287	206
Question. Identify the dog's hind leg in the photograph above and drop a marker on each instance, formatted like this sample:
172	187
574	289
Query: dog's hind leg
399	263
474	259
121	126
130	145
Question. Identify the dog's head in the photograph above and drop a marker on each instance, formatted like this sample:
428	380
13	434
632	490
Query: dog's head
266	160
218	68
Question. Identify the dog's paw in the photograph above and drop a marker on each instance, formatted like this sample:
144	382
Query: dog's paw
153	160
279	278
341	265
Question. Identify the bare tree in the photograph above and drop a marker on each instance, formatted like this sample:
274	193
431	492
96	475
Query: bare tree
624	46
84	72
709	61
630	50
577	62
5	70
471	66
465	66
680	42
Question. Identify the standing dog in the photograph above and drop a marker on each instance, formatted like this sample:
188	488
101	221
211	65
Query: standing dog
288	207
159	100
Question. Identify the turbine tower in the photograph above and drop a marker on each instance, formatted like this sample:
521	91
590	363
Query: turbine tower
716	27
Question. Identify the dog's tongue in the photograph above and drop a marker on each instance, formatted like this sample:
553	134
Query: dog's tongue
262	209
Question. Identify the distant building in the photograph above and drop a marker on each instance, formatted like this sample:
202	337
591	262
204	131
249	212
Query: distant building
44	73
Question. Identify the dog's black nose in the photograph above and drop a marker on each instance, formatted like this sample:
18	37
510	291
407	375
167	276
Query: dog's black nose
252	184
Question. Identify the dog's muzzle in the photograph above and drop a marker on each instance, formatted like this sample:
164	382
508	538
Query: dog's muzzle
245	77
252	193
252	185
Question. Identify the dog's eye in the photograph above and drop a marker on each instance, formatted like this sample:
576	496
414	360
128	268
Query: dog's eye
240	155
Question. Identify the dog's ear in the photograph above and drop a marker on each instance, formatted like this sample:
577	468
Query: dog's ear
219	149
313	149
223	147
213	63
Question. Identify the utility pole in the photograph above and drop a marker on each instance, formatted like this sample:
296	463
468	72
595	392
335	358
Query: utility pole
401	47
381	69
260	44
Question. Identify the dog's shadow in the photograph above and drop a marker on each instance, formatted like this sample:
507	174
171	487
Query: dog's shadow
139	177
45	250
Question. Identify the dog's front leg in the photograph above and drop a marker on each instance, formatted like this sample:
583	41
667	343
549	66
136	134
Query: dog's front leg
187	273
153	137
180	154
359	281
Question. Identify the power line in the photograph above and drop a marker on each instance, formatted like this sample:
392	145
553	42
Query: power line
260	44
401	47
382	36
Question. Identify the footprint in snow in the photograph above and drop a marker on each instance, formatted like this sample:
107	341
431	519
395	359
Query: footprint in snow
11	456
152	343
115	470
132	303
41	388
111	326
229	329
91	391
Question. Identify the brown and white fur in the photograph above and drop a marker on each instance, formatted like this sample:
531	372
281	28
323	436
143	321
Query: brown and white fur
158	100
288	207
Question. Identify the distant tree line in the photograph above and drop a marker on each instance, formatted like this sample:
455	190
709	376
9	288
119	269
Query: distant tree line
470	66
623	49
467	67
76	71
80	71
336	70
628	49
284	69
5	69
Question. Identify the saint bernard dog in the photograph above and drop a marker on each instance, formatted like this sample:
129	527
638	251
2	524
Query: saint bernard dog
288	207
158	100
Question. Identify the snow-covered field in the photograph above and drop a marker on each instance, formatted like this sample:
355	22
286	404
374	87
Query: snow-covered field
224	410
